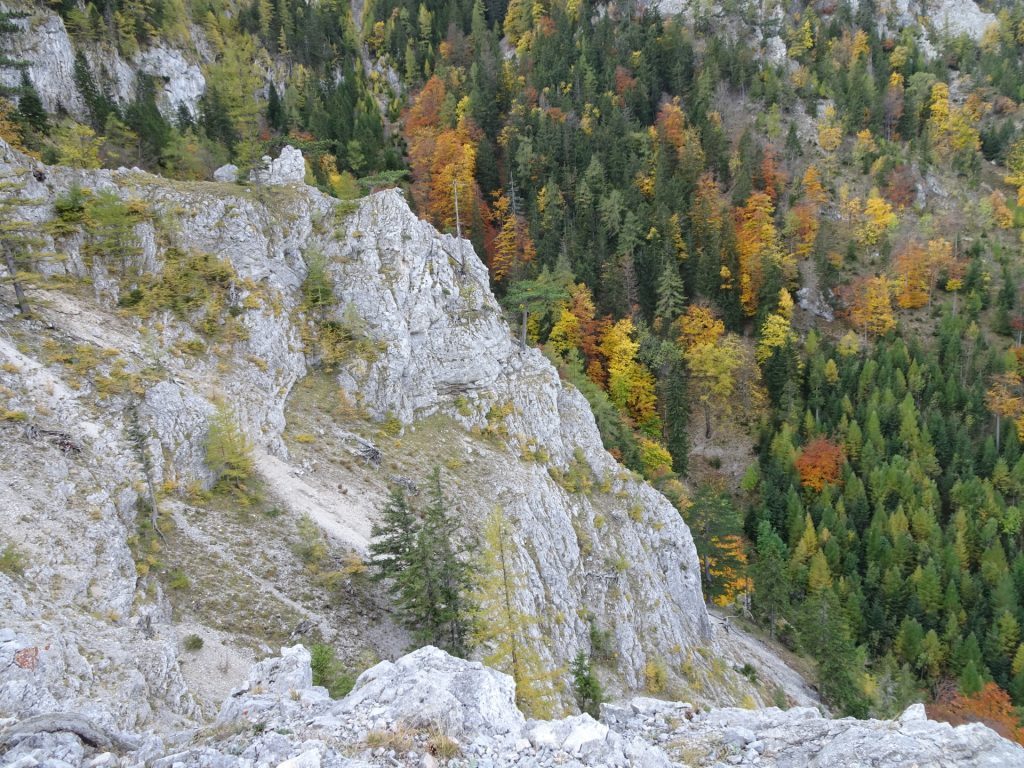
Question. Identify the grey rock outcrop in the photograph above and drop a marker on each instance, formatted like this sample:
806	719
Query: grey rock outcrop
401	714
425	688
617	556
288	168
47	48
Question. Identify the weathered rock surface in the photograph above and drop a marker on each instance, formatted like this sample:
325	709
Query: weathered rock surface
288	168
402	714
44	43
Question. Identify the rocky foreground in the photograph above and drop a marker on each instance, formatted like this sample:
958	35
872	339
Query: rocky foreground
429	709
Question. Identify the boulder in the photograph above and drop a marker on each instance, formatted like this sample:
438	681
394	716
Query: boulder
226	173
288	168
429	688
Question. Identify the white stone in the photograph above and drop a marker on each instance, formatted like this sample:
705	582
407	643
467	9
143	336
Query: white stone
288	168
308	759
226	173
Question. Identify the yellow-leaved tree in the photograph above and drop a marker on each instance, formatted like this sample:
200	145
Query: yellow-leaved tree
503	629
712	358
879	218
630	384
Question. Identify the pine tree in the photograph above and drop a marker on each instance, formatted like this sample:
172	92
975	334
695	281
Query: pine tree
671	299
422	559
394	536
586	686
771	576
438	543
501	627
30	106
675	394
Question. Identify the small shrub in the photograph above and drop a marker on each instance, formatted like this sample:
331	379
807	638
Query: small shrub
178	580
193	643
749	671
310	548
329	673
400	740
6	415
602	644
442	746
636	513
655	676
391	425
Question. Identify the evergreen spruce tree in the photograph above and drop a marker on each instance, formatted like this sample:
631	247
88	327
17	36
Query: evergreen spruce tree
446	616
394	536
671	299
30	106
675	394
586	686
771	576
423	562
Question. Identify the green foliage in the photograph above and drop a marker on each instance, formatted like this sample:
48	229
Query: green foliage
194	287
193	643
229	458
311	546
328	672
110	228
318	287
586	686
425	565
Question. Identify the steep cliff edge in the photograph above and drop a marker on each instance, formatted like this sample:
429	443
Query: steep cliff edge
132	352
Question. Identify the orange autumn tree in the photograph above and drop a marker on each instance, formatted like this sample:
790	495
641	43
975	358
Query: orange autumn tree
870	305
729	568
1003	398
578	327
990	706
441	158
512	245
917	271
820	463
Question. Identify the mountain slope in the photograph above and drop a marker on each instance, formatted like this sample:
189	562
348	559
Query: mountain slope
136	348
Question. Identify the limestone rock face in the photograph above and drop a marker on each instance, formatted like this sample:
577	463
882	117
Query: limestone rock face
183	81
45	45
288	168
621	557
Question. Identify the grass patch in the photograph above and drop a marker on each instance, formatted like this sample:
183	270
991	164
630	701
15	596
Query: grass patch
12	561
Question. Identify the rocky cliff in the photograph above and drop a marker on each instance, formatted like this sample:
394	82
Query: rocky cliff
43	43
428	708
108	393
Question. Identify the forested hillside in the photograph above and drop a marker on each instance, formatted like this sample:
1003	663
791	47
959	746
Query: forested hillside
793	230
